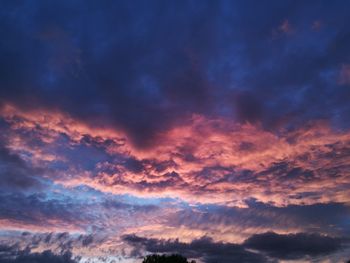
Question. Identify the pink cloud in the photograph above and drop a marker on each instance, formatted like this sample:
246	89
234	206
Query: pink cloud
344	75
204	160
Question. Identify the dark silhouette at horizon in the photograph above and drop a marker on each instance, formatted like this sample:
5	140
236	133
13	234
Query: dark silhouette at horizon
173	258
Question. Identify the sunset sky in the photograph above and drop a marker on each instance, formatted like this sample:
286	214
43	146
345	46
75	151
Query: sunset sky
219	130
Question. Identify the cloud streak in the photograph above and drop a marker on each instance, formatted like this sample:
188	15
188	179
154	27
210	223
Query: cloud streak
292	246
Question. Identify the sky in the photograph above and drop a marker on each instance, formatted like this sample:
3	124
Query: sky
219	130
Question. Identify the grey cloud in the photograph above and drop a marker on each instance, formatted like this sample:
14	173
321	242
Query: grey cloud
11	254
294	246
204	248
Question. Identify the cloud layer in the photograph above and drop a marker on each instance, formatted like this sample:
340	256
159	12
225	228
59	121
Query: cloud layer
292	246
219	130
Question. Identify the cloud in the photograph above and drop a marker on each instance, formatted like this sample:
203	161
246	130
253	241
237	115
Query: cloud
42	212
192	160
15	173
275	246
204	248
10	254
21	211
101	74
294	246
235	224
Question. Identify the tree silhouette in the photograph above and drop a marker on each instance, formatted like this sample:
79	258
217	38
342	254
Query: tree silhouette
174	258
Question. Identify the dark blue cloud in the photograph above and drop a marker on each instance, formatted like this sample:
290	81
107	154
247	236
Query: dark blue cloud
11	254
328	218
38	208
271	247
143	67
204	248
294	246
16	174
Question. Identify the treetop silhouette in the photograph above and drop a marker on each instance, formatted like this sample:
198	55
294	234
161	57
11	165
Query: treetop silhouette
174	258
